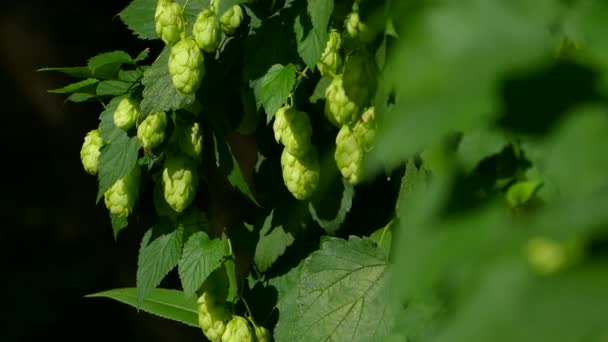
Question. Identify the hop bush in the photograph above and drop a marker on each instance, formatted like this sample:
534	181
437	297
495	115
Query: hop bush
331	60
186	66
206	31
126	114
121	197
180	181
292	128
90	151
169	21
349	155
237	330
151	132
339	109
301	175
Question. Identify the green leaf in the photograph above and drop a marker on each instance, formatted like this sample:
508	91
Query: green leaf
77	72
81	86
142	56
129	75
341	295
521	192
107	65
311	31
319	92
159	94
480	144
139	18
192	9
272	90
80	97
346	200
271	245
233	287
165	303
156	259
384	238
116	160
113	88
118	223
200	257
230	166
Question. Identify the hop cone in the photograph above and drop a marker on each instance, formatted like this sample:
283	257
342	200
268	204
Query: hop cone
126	114
231	19
206	31
151	132
339	109
237	330
262	334
89	153
180	180
120	198
301	175
331	61
212	317
357	29
190	139
365	128
169	21
292	128
186	66
349	155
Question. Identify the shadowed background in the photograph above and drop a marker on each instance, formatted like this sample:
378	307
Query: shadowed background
57	244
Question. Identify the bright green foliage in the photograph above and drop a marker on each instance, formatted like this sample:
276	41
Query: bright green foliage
151	131
121	197
231	19
331	60
190	139
365	128
89	153
292	129
212	316
301	175
548	256
339	109
349	155
206	31
186	66
237	330
169	21
180	181
126	114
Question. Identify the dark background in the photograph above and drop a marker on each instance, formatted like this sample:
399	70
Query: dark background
56	242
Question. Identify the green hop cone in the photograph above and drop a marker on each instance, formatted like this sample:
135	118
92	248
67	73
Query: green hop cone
162	207
186	66
120	198
331	61
231	19
237	330
339	109
365	128
206	31
349	155
357	29
212	317
262	334
292	128
126	114
301	175
169	21
190	139
151	132
90	151
360	77
180	180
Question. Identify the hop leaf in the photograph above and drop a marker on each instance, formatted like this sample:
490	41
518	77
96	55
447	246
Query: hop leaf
120	198
206	31
301	175
365	128
186	66
126	114
237	330
151	132
190	139
90	151
169	21
231	19
212	317
292	128
339	109
180	180
349	155
331	60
